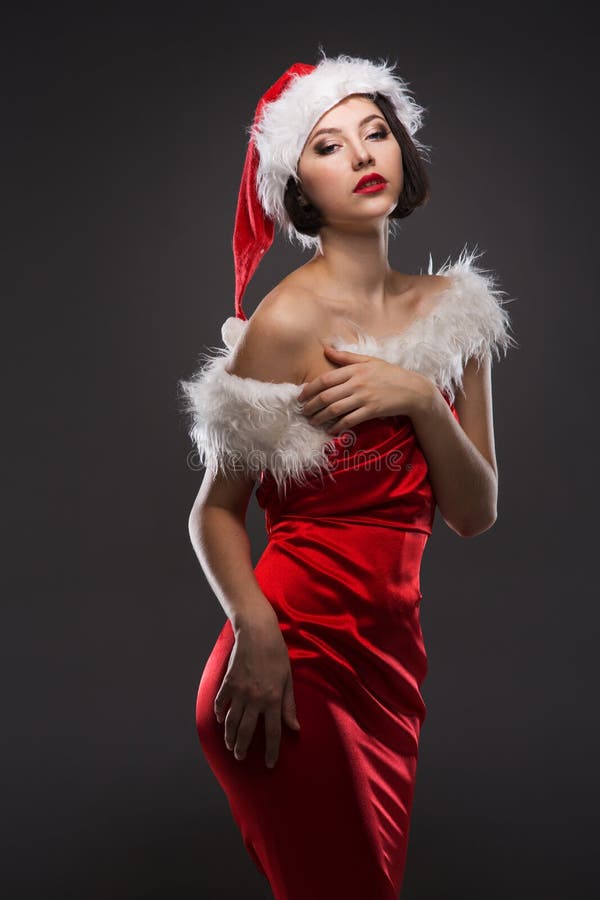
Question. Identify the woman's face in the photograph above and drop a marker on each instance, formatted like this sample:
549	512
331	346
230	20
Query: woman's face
332	163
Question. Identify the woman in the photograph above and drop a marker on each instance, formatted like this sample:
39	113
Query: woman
359	398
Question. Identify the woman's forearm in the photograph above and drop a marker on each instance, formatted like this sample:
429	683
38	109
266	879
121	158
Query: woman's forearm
464	483
222	545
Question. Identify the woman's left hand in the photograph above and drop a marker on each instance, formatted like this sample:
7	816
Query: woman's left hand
362	388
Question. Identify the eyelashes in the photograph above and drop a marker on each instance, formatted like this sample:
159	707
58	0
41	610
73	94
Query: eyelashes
323	150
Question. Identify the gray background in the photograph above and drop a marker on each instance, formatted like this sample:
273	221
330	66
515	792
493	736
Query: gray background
123	142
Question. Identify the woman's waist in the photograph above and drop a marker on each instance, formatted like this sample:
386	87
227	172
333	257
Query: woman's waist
367	548
384	523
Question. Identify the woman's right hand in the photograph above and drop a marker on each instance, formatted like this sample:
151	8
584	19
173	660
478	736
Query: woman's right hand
258	680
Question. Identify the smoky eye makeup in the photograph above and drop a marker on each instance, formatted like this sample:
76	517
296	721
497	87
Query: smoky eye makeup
322	148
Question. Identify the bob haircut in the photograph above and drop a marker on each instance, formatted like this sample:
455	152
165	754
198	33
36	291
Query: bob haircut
415	192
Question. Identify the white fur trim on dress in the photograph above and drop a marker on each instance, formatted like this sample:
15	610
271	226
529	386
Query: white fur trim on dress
249	425
286	123
469	320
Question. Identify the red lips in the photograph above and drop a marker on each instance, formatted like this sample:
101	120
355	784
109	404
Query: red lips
373	176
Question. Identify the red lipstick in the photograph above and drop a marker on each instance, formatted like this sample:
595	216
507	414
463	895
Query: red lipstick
371	183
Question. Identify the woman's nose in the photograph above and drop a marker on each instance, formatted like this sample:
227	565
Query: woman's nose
363	156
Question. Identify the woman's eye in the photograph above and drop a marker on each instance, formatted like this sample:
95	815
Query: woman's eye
324	151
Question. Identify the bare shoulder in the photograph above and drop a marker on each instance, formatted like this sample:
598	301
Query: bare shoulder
432	285
289	313
279	337
429	289
438	282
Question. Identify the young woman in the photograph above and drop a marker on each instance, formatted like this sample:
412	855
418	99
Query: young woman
359	398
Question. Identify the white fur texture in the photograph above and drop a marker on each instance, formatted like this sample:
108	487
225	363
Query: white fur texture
286	123
246	425
251	425
469	320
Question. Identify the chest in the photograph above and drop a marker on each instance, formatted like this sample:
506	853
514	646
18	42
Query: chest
256	425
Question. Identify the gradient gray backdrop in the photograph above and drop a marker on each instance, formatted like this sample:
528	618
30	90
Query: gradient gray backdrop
123	137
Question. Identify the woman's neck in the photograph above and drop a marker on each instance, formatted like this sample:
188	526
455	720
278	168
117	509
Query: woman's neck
352	268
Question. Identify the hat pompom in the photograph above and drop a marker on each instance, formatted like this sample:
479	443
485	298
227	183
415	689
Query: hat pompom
231	331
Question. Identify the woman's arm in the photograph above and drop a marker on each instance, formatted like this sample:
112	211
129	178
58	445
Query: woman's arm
258	680
272	349
461	457
217	528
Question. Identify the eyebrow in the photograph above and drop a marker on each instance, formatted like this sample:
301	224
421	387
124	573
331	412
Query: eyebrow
338	130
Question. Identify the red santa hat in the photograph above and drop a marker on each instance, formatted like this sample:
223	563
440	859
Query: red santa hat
284	118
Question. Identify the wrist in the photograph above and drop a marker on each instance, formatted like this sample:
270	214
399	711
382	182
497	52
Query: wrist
427	399
251	615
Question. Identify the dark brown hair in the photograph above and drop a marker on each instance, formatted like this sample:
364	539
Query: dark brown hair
415	191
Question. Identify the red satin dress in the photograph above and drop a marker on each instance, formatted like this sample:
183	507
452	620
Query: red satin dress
341	568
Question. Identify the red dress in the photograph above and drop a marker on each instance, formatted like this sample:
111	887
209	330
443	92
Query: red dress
341	570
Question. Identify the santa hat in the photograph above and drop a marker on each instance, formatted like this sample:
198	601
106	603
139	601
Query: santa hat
284	118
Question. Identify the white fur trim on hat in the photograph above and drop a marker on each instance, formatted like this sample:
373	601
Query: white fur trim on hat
251	425
286	123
